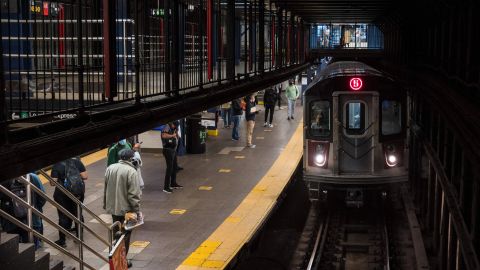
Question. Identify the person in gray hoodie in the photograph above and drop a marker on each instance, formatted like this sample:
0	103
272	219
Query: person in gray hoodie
122	190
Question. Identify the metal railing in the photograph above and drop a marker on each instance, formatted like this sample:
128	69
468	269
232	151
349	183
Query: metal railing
81	225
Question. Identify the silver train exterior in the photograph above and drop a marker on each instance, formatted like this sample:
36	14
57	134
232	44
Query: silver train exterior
355	129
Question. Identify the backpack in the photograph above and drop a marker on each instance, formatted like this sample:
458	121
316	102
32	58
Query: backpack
17	188
73	181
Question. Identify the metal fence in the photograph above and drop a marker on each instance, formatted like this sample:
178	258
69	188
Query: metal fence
73	56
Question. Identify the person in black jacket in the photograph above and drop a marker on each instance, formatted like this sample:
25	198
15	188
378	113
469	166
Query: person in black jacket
269	99
250	112
237	113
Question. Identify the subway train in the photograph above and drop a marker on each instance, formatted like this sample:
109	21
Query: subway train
355	131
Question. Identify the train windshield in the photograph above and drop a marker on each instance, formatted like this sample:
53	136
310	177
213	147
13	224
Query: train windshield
391	117
320	118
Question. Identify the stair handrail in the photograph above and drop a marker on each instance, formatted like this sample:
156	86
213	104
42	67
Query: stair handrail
20	224
80	207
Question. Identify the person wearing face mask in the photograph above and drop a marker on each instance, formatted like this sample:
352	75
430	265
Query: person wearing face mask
122	193
113	151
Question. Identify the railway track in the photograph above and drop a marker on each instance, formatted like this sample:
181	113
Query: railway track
352	238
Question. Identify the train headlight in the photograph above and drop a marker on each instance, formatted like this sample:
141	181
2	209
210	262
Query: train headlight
320	159
320	156
391	156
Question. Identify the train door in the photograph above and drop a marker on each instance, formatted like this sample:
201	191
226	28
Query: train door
355	133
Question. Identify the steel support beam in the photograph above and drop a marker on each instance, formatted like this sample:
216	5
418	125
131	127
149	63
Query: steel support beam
166	40
280	39
261	36
3	104
109	49
230	40
175	59
71	137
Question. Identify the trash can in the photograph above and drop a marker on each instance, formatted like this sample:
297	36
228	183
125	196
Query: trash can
196	135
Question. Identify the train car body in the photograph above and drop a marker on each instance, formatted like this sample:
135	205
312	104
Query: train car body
355	130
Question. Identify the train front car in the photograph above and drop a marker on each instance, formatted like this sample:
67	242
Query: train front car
355	131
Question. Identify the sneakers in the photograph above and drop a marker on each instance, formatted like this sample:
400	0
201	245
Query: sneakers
61	243
233	139
251	146
293	117
177	186
129	263
288	118
270	125
167	190
266	124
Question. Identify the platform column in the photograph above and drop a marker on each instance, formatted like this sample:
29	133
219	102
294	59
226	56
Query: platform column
231	40
3	109
175	60
166	40
280	38
109	49
261	35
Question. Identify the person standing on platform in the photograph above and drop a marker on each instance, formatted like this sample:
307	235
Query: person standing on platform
70	174
226	114
180	151
138	163
250	113
292	94
38	203
112	156
170	141
237	113
269	99
121	197
278	91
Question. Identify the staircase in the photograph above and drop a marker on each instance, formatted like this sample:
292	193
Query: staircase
18	256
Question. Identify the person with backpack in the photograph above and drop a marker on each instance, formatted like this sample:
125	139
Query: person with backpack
71	174
250	113
20	212
237	112
269	99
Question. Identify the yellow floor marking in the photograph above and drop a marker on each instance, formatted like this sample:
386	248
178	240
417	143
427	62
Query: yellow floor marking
260	138
239	157
99	185
178	211
87	160
224	170
157	155
267	130
243	222
141	244
205	188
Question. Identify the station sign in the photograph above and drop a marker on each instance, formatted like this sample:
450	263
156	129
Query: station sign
157	12
23	115
45	8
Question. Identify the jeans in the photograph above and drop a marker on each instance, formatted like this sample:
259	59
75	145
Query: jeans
269	109
171	173
63	220
250	126
227	117
121	219
236	125
291	108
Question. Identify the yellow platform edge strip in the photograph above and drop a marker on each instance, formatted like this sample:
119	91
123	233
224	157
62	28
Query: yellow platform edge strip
245	220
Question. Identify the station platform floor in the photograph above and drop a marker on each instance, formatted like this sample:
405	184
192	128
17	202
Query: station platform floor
215	184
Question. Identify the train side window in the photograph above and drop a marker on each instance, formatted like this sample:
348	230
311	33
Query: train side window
320	118
391	117
355	120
